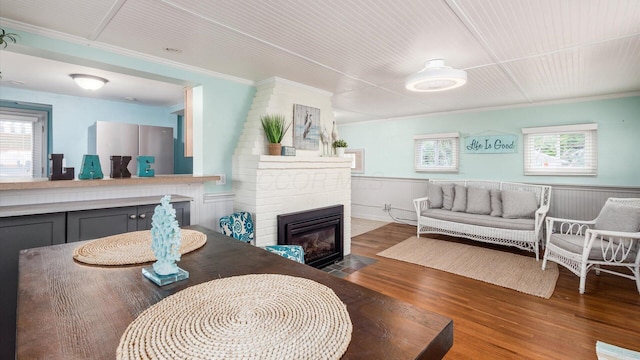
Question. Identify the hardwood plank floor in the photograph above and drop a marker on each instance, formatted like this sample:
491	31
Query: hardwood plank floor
491	322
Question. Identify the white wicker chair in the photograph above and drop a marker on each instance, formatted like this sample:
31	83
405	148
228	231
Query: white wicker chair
581	246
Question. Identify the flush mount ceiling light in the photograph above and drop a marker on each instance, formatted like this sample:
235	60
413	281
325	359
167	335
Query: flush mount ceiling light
89	82
436	77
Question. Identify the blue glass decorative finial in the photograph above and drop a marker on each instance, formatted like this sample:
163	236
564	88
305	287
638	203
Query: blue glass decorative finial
165	243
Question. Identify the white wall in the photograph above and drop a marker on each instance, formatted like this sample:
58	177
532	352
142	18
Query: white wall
268	186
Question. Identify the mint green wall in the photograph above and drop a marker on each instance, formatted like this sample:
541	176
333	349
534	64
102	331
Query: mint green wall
72	116
225	103
389	144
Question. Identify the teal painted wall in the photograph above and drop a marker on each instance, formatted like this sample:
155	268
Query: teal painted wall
224	106
181	165
389	144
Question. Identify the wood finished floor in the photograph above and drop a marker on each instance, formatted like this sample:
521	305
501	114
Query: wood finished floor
491	322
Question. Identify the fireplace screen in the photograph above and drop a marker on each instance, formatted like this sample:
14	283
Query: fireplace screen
318	231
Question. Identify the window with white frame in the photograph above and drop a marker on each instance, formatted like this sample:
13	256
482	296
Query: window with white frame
23	137
436	152
561	150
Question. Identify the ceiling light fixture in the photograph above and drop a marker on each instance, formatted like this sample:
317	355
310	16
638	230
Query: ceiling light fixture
436	77
89	82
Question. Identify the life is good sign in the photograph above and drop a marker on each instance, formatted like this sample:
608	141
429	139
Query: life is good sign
491	144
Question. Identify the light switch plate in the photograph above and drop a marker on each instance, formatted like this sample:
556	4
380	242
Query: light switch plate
223	179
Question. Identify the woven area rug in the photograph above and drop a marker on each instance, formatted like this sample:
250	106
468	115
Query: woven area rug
517	272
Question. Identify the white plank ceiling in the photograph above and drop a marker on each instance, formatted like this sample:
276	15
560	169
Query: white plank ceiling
516	52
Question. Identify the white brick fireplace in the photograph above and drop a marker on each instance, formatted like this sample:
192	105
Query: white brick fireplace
268	186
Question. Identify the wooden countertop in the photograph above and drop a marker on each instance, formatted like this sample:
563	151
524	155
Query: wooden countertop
67	310
28	183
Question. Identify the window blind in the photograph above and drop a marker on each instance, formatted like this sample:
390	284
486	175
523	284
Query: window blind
22	143
561	150
436	152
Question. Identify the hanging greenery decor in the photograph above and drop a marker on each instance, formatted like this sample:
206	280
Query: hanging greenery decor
6	38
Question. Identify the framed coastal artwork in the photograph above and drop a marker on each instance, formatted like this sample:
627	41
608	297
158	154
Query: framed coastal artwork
357	160
306	127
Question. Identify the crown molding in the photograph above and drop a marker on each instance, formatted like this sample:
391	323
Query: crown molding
502	107
36	30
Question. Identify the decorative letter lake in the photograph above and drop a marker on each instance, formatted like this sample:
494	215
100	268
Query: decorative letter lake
491	144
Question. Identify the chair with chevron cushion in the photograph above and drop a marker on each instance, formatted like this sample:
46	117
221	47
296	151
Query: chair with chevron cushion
239	226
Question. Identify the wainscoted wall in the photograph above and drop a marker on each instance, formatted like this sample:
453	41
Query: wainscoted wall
214	207
585	202
370	194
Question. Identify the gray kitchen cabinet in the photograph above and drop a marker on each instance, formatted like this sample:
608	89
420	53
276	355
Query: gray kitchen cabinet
91	224
19	233
28	226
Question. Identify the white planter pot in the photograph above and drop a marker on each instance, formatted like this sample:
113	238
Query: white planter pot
340	151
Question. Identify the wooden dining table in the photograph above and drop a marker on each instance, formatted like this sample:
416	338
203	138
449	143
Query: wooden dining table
70	310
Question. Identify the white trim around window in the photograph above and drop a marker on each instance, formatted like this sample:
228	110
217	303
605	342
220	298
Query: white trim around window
23	143
569	150
437	152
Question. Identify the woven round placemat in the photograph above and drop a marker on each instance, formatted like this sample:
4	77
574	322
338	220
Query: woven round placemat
131	248
259	316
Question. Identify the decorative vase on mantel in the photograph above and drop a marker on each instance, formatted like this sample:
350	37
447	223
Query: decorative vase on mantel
275	149
274	126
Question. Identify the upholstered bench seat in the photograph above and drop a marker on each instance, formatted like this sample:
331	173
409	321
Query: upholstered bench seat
575	244
480	220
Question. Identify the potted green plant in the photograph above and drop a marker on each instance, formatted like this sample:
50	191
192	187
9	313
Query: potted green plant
274	126
340	145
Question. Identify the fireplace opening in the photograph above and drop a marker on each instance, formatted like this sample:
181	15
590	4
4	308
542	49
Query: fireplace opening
319	232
